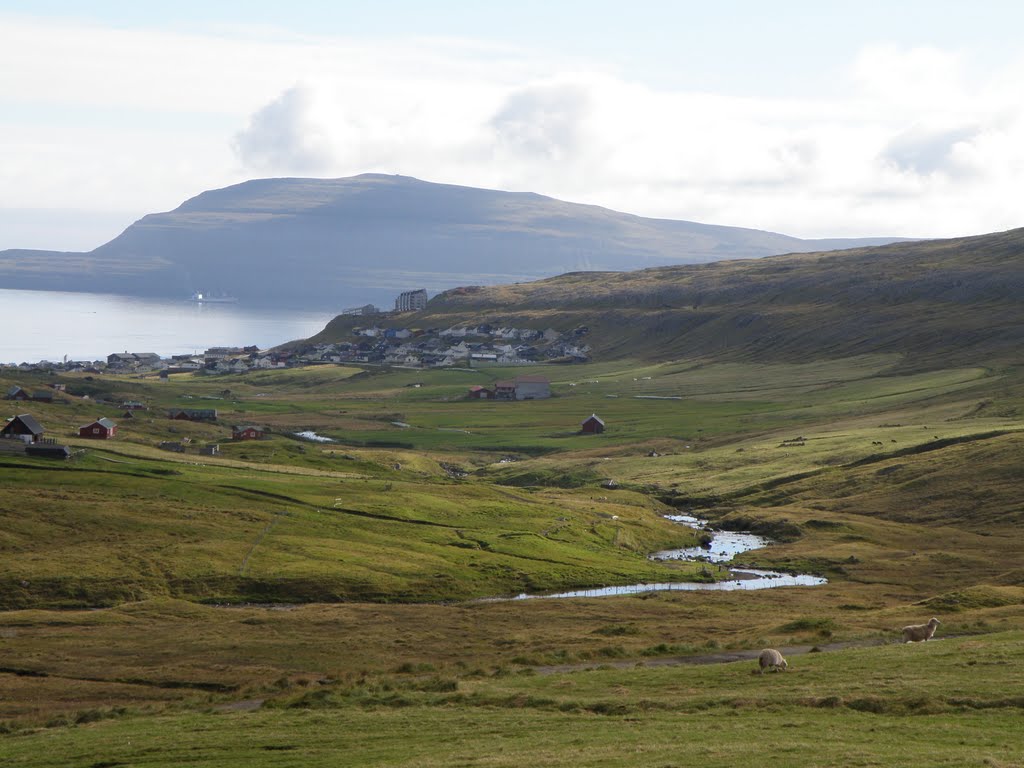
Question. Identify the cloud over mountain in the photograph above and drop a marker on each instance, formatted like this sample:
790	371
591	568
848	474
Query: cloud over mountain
898	141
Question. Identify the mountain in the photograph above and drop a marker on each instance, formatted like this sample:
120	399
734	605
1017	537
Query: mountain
335	242
936	301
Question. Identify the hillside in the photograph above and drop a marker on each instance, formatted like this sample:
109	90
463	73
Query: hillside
338	242
944	301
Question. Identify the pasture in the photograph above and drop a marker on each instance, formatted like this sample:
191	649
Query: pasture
287	602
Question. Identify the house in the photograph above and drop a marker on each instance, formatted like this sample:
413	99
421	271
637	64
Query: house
48	451
43	396
210	450
133	405
594	425
24	427
17	393
248	433
476	392
174	447
101	429
59	387
192	414
504	390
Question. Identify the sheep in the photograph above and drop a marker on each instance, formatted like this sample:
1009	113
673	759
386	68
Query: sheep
770	658
918	632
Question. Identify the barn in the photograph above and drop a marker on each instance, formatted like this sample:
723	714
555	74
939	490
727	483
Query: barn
101	429
24	426
532	388
593	425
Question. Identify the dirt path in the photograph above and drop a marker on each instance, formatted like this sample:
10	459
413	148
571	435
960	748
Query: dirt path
723	657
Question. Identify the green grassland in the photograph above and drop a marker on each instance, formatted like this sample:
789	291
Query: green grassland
299	603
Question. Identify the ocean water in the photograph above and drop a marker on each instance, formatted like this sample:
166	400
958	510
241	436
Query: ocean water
47	325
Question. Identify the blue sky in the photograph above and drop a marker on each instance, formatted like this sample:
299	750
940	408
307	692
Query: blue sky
810	118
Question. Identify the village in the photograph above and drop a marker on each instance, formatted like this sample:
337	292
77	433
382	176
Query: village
384	340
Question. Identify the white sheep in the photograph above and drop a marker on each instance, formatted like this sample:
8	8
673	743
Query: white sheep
771	659
918	632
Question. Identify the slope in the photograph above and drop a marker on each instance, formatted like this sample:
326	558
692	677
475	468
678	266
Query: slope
941	302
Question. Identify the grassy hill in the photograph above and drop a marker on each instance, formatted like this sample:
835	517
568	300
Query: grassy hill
938	302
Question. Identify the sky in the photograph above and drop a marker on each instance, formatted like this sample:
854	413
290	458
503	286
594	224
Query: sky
815	119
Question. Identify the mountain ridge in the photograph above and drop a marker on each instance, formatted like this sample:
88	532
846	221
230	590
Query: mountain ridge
333	242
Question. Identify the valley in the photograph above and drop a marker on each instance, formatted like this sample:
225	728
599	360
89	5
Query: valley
164	607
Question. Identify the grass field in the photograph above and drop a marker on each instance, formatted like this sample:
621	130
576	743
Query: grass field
298	603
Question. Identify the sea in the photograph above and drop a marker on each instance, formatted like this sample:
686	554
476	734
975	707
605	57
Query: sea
54	325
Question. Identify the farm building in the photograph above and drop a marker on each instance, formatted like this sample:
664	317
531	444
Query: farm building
532	388
43	396
17	393
48	451
133	405
476	392
209	450
24	426
248	432
528	387
593	425
101	429
192	414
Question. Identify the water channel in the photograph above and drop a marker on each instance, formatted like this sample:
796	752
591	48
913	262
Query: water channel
723	547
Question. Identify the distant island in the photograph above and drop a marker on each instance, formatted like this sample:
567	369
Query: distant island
325	243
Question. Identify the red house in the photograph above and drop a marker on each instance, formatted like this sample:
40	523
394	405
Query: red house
101	429
476	392
248	433
593	425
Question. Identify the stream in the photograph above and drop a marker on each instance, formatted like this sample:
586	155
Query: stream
724	546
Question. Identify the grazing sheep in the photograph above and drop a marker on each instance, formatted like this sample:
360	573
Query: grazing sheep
770	658
918	632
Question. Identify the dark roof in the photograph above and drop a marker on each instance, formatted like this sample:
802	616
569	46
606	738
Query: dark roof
195	412
594	417
14	390
29	422
48	451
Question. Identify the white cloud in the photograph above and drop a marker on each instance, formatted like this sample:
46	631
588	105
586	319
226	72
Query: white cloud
913	142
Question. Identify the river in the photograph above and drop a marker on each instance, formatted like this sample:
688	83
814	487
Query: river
47	325
724	546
